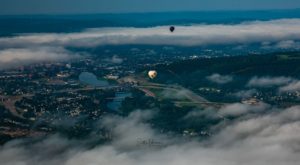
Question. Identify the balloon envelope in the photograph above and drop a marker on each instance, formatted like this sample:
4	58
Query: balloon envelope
172	28
152	74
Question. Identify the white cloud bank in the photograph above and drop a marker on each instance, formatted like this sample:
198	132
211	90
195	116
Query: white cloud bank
269	81
24	56
245	93
283	31
220	79
284	84
114	59
239	109
292	87
263	139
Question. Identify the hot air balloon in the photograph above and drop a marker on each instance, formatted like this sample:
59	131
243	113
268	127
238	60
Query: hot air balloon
152	74
172	28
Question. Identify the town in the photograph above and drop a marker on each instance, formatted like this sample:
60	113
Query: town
44	98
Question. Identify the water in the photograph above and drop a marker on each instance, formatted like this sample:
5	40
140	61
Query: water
91	79
116	104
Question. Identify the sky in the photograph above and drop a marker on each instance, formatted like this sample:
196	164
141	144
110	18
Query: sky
129	6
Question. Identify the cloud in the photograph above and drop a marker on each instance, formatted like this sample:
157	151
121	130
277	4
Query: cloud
284	84
269	81
127	132
288	44
238	109
115	59
264	139
284	44
194	35
230	110
245	93
35	47
273	129
291	87
220	79
10	58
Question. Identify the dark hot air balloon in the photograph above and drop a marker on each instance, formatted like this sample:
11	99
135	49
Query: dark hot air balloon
172	28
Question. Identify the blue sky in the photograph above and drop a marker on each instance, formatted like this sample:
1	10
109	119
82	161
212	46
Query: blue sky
121	6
